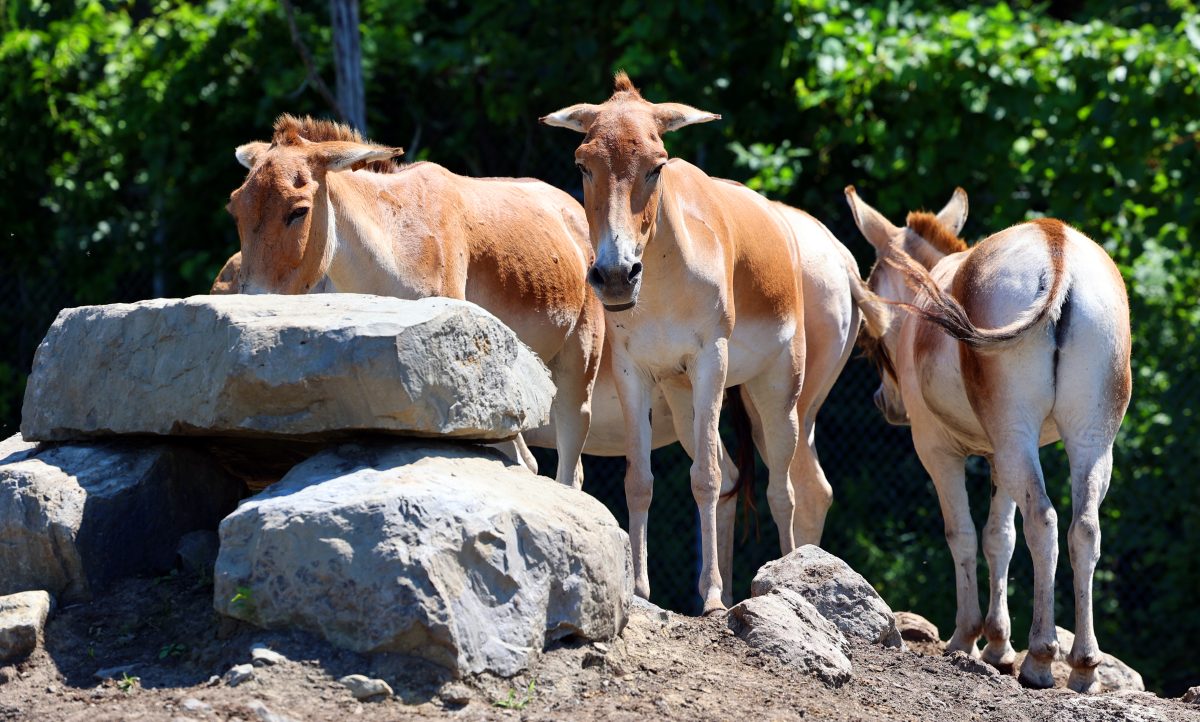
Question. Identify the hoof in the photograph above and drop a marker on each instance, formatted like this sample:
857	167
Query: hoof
1001	656
1083	681
955	645
1035	674
712	609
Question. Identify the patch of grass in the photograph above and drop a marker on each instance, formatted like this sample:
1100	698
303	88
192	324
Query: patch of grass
511	702
174	649
128	684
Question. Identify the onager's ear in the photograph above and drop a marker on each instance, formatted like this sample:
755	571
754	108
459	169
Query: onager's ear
576	117
673	116
340	155
954	215
247	154
878	230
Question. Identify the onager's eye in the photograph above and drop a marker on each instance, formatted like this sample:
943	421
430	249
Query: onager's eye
296	215
653	175
583	170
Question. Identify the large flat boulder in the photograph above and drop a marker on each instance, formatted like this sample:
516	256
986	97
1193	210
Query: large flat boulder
838	592
74	517
438	550
294	366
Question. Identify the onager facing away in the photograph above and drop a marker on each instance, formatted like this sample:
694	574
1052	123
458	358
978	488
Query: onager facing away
516	247
1010	345
701	281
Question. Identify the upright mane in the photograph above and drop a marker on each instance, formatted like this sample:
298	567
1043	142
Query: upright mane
289	129
623	85
927	226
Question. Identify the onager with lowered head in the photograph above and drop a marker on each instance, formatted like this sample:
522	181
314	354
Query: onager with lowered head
516	247
1000	349
701	281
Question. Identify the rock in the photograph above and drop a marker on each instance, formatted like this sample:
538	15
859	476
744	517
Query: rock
265	714
785	626
261	656
75	517
197	552
455	693
442	551
838	592
191	704
365	688
237	674
1192	696
967	663
1112	674
283	365
22	623
114	672
915	628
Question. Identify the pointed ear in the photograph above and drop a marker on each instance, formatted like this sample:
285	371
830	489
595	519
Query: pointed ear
878	230
340	155
247	154
576	117
954	215
673	116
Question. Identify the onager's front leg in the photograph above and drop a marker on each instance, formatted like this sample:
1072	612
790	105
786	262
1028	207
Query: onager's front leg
949	478
633	390
707	373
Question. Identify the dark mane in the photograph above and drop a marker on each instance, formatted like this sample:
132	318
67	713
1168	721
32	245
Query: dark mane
927	226
622	84
289	129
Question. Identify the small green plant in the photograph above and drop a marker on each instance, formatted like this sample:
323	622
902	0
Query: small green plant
511	702
128	684
174	649
243	600
91	652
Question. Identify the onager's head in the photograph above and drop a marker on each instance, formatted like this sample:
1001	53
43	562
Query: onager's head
621	159
925	239
284	195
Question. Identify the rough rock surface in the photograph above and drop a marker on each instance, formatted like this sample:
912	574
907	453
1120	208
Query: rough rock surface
22	620
784	625
1112	674
1192	696
919	634
75	517
437	550
298	366
838	592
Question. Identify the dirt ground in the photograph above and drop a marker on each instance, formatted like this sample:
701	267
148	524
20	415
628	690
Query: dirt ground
664	666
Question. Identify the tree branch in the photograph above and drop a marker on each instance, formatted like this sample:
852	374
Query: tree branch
313	78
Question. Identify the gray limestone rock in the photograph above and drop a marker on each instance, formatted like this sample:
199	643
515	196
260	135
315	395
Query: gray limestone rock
295	366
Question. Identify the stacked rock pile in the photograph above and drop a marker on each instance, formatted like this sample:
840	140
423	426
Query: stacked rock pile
391	528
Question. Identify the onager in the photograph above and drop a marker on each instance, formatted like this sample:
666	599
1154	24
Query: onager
1000	349
516	247
701	282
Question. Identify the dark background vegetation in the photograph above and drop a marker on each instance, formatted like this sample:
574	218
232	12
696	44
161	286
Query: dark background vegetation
118	122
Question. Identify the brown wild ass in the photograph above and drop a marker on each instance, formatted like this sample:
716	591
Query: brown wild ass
516	247
1002	348
701	281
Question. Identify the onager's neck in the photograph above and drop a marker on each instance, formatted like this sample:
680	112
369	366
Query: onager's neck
344	232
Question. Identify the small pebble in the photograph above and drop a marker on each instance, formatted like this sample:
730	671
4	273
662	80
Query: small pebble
600	647
455	693
191	704
366	688
261	656
238	674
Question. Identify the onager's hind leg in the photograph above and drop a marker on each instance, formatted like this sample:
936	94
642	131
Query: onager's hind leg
999	539
813	493
949	478
773	395
1019	473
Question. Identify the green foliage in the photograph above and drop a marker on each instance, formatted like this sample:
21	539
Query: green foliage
119	118
512	701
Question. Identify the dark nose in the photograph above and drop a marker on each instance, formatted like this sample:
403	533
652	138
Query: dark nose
623	275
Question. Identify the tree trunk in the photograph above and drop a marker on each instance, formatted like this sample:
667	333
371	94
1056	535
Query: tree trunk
347	63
